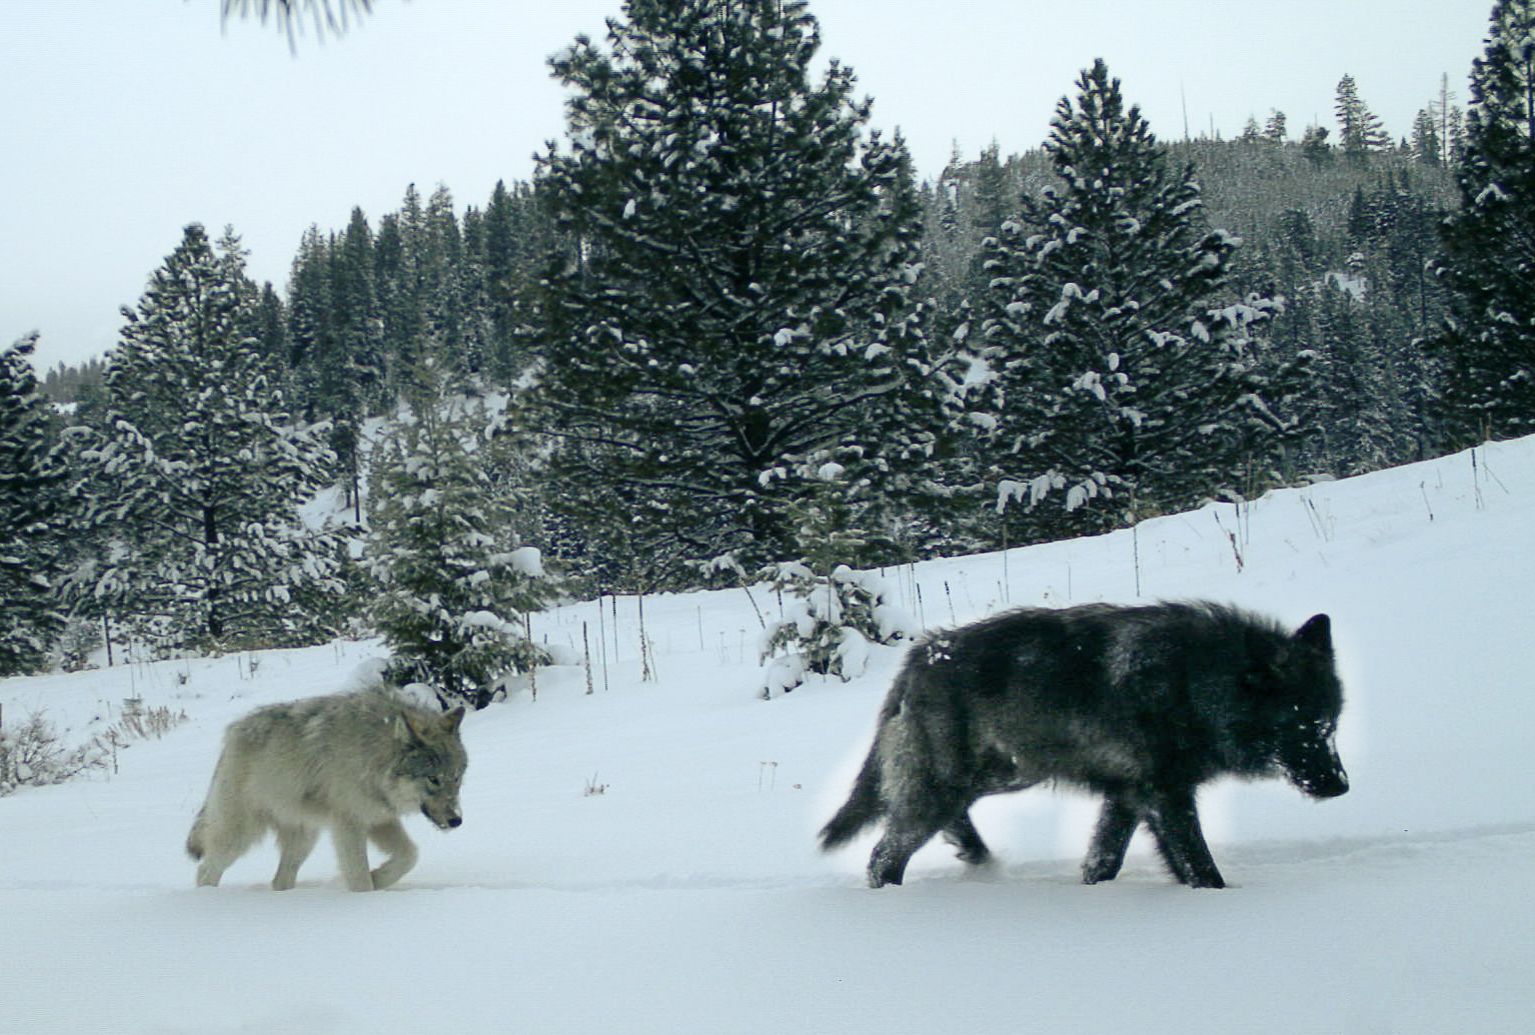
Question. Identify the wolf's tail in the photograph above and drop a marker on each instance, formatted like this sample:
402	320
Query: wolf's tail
863	806
195	846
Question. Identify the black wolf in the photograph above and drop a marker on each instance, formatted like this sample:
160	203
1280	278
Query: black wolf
1140	704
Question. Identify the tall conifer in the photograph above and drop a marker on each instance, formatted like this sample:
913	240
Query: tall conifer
741	246
1488	262
199	473
1125	385
31	495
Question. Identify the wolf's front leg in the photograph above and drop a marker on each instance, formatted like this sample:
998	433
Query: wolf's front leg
294	843
352	855
961	833
1116	825
1175	822
392	839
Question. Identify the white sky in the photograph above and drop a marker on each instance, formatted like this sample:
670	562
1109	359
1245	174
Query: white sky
120	122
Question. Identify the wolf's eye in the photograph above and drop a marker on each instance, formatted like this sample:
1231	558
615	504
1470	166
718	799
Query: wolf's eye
433	783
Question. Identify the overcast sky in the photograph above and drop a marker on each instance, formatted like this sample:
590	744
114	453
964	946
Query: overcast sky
123	120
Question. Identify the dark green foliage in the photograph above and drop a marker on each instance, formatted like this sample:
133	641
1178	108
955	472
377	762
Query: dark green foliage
713	292
514	237
828	613
31	498
1126	386
1313	144
452	588
740	252
1426	146
193	483
1360	131
1487	347
332	16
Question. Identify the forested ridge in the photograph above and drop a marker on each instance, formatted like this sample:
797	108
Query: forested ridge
724	326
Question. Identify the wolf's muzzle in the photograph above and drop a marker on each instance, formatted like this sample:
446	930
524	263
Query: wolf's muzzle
449	822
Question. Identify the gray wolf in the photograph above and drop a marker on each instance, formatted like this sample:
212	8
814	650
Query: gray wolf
352	763
1139	704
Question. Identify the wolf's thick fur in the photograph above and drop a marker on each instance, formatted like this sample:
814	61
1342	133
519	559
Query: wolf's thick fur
353	763
1140	704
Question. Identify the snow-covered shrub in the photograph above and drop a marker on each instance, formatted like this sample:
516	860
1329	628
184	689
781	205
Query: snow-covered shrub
31	754
827	624
81	639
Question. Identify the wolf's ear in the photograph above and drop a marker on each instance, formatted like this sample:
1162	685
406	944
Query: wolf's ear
407	727
1317	633
454	719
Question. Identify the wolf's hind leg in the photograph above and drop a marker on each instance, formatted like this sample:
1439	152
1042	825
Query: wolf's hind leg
1111	839
392	839
224	831
294	843
210	870
1175	822
351	843
911	824
887	863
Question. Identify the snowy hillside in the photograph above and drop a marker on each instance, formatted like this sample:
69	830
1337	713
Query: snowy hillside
641	859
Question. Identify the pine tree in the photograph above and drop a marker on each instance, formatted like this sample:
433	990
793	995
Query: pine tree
736	241
1314	145
397	258
510	234
358	323
1360	131
1126	387
1488	261
991	200
449	321
1425	139
829	613
454	587
31	501
332	16
1274	128
197	478
349	376
312	353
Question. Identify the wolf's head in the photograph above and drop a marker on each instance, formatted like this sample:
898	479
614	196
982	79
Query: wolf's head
432	762
1309	697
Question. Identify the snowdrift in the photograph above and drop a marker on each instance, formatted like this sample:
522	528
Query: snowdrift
640	857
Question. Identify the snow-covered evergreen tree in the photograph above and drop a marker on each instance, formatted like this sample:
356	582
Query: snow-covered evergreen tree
454	587
739	245
1488	346
31	494
1126	384
196	480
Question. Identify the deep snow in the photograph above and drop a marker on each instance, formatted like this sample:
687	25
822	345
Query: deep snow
688	896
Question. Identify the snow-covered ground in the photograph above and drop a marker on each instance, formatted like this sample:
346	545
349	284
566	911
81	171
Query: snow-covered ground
687	896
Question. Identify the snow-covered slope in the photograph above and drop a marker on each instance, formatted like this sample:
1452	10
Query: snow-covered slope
687	896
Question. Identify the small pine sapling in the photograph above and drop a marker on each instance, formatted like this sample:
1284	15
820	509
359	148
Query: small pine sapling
830	613
453	592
